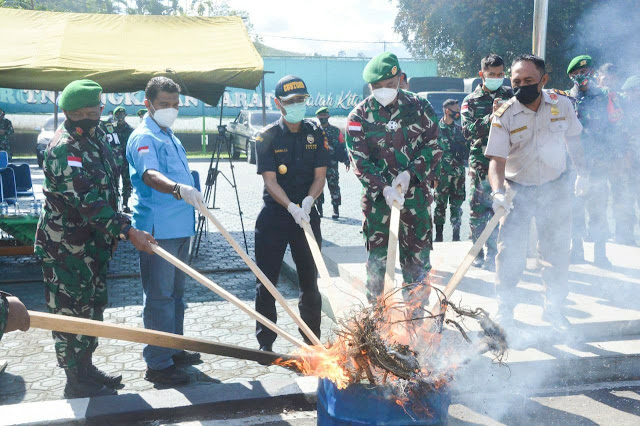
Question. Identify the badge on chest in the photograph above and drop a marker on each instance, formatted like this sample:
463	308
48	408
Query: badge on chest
392	126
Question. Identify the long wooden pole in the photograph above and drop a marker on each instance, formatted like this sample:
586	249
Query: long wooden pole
87	327
391	292
262	277
315	252
225	294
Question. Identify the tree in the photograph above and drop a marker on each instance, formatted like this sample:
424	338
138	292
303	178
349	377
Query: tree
458	34
83	6
152	7
219	8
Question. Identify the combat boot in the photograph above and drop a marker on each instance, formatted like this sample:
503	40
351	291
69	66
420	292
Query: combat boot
336	213
456	233
600	255
99	376
479	260
490	260
439	233
79	385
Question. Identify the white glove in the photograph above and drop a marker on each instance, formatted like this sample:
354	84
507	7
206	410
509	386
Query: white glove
499	200
191	195
391	195
402	180
307	203
298	213
581	186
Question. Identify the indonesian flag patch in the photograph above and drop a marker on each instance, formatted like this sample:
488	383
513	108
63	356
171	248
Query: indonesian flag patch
143	150
465	107
354	126
74	161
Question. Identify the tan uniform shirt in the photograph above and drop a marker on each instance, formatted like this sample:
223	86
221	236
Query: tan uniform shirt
534	142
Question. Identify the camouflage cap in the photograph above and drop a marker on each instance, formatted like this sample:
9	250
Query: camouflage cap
582	61
119	109
141	112
322	110
632	82
382	67
80	94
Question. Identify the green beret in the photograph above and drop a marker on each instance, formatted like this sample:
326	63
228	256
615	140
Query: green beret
382	67
141	112
582	61
80	94
633	81
118	109
322	110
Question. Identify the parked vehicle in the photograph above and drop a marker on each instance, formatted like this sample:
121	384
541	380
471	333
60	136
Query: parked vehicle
436	99
243	130
44	137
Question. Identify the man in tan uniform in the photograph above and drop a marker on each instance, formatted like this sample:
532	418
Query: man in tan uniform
528	143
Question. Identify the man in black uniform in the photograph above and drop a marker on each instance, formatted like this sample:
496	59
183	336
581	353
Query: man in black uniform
124	130
292	157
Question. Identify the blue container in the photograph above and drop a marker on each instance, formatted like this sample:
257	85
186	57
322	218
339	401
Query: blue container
359	405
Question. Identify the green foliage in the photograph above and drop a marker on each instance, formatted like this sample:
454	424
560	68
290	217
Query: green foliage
459	33
79	6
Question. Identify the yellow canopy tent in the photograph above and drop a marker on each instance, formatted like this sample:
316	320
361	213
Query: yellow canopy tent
47	50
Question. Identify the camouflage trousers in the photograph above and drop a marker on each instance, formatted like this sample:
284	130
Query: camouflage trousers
76	286
414	240
481	211
4	146
4	315
450	191
333	179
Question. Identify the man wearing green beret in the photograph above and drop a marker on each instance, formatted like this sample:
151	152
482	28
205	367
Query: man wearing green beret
392	137
123	130
591	105
337	155
141	112
78	231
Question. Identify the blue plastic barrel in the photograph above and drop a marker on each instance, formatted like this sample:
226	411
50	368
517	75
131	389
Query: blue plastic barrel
362	405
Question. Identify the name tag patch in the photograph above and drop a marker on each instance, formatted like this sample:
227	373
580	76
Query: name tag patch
558	119
496	125
279	151
74	161
520	129
311	146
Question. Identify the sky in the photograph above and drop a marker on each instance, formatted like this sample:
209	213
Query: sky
351	20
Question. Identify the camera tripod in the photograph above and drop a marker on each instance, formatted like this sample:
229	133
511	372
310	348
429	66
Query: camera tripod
211	186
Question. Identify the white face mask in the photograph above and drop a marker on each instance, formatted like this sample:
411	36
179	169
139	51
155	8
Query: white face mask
165	117
385	95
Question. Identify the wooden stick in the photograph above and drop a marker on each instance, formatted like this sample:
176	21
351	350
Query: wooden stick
225	294
262	277
391	291
315	251
471	255
87	327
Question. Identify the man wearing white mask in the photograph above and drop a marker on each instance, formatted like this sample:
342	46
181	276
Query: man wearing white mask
392	137
164	207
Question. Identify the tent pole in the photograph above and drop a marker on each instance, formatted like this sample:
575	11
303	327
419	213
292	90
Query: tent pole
55	111
204	132
264	99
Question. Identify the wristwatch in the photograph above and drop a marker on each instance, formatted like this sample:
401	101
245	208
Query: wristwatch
176	192
499	191
124	234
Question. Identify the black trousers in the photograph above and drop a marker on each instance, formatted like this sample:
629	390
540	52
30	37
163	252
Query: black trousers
275	229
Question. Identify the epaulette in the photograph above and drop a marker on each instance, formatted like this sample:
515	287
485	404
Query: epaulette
505	106
561	92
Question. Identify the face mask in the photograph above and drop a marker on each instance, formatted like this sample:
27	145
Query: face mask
165	117
324	121
454	115
85	126
580	79
493	84
294	113
385	95
527	94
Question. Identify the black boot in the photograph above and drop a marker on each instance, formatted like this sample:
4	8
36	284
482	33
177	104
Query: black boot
439	233
79	385
125	205
479	260
456	233
99	376
336	213
600	255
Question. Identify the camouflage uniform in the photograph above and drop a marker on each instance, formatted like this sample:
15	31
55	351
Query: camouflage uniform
77	233
383	142
476	111
123	131
337	155
450	173
119	149
4	313
5	124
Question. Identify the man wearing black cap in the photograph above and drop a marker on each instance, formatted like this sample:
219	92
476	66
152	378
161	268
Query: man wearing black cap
292	157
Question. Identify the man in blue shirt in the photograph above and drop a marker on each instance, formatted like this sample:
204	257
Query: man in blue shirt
161	179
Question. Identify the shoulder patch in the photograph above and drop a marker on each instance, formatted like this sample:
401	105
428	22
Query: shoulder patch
505	106
560	92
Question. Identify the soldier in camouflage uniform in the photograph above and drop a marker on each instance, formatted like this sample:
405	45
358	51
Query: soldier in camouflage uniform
477	110
6	130
13	314
591	105
392	137
337	154
450	173
78	231
124	130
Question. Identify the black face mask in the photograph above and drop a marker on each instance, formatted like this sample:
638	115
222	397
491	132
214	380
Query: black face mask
455	116
527	94
86	125
324	121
